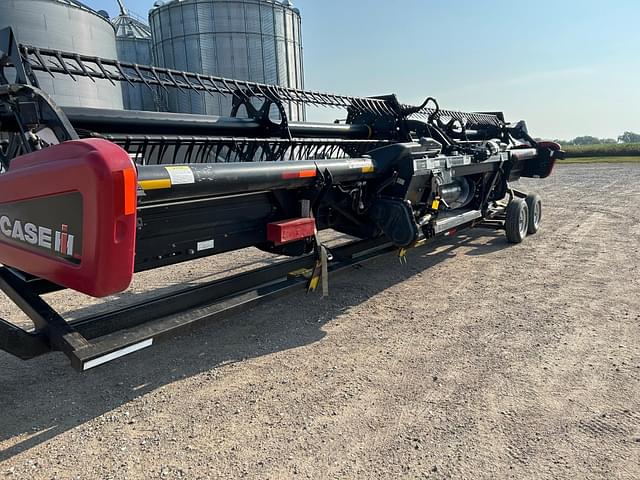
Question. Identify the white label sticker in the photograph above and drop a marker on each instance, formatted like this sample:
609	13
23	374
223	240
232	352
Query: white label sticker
205	245
181	175
353	164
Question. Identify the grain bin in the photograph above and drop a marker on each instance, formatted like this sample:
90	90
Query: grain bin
133	41
66	25
257	40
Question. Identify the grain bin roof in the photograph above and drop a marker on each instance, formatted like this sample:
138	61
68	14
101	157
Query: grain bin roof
81	6
130	27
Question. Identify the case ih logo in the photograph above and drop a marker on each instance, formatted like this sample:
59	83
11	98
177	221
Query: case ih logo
60	241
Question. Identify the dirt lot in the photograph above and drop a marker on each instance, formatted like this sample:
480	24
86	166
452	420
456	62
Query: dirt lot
475	360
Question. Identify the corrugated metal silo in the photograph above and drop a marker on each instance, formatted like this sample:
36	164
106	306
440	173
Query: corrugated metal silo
66	25
257	40
133	40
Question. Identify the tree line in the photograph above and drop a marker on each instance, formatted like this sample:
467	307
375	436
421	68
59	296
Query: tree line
626	137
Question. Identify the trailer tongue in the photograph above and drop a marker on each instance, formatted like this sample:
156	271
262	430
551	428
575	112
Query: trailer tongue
88	197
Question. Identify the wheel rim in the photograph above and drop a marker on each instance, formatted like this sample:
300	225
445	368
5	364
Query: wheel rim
523	222
537	210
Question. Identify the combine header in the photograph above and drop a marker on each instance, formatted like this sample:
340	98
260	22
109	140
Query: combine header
90	196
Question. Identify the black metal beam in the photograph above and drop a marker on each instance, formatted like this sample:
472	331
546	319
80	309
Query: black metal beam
61	336
148	123
22	344
97	339
218	179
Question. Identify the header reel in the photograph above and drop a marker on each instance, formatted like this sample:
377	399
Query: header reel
91	196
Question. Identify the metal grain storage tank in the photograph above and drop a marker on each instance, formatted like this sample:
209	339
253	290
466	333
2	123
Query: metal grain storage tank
258	40
133	41
66	25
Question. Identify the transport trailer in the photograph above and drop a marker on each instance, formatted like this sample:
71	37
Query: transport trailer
89	196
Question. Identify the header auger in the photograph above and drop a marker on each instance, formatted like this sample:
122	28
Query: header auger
88	197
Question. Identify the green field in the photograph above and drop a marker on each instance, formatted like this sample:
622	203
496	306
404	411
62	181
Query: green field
619	159
603	153
603	150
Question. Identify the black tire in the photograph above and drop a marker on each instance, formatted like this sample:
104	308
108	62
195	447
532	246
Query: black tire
517	222
534	202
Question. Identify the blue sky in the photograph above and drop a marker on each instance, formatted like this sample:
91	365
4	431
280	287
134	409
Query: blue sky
568	67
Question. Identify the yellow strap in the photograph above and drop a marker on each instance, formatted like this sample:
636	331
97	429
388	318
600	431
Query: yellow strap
313	284
315	277
402	255
324	263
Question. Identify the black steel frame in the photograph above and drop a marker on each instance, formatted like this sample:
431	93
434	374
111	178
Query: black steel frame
401	187
91	341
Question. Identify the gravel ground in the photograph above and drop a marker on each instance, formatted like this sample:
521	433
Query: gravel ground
476	360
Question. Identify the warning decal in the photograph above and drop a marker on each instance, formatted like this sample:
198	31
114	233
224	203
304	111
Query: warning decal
180	175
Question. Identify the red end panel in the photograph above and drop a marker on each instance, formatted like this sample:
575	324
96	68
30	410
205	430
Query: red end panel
288	231
68	215
554	153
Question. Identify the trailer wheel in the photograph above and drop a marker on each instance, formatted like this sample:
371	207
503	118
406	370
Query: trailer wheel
516	224
534	203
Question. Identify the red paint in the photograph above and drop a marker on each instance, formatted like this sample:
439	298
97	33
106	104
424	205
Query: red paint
291	230
550	145
63	244
554	147
105	176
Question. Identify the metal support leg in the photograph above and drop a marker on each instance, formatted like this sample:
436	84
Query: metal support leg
60	334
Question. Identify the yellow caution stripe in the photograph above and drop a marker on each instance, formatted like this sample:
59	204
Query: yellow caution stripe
158	184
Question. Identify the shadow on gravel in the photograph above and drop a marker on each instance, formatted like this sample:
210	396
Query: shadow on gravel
44	397
129	297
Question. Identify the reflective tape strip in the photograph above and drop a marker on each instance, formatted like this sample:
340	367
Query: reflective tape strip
117	354
158	184
299	174
130	198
